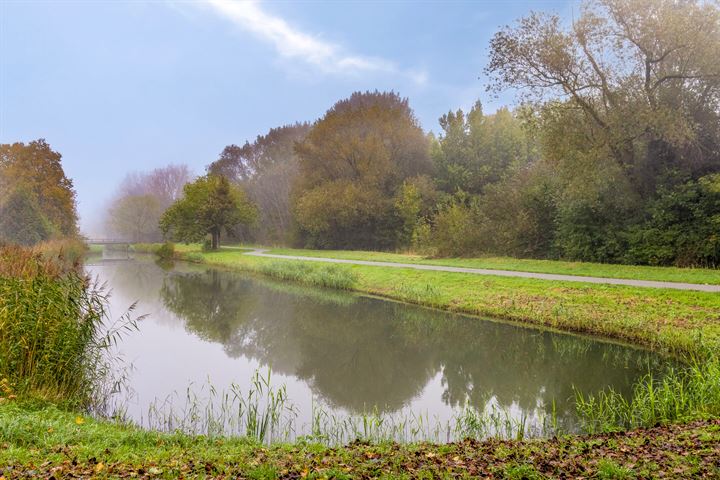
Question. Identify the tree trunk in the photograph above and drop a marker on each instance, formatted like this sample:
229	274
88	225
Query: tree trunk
215	239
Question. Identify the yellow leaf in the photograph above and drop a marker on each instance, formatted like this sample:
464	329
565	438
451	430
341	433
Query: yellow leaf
79	420
304	473
51	430
99	467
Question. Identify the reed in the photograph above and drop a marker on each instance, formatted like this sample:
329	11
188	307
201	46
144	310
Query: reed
682	394
53	330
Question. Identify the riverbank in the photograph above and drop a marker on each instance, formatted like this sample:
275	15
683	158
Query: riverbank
670	321
43	441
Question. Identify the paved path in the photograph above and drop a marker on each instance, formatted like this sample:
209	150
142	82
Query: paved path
500	273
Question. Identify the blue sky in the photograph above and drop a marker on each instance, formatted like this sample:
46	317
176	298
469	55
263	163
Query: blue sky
119	86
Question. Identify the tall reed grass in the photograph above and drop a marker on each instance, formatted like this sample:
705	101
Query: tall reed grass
53	330
264	413
685	393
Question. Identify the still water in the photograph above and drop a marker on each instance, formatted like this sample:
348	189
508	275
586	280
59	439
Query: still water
344	353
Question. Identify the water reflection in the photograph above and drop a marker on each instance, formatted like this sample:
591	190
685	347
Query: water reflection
355	352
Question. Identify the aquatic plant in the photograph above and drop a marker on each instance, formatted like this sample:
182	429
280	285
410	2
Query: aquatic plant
54	333
684	393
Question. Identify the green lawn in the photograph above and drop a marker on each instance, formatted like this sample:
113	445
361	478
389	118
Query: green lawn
672	320
634	272
43	441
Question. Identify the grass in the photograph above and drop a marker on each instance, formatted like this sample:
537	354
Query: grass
52	331
42	440
686	394
634	272
675	321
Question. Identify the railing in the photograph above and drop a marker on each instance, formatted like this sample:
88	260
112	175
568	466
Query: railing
107	241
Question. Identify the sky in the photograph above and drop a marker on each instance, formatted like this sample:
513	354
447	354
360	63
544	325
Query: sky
126	86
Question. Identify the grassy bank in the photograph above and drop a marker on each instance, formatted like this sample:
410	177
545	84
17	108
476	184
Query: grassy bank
40	442
680	322
633	272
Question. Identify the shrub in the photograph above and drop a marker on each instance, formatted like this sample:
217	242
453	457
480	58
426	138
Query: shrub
166	251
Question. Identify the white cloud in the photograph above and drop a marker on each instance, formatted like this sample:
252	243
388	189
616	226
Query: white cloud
295	44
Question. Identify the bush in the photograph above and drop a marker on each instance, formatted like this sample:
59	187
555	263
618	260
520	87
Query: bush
683	227
456	230
166	251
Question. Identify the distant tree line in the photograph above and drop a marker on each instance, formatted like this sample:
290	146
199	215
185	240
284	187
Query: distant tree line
612	156
37	200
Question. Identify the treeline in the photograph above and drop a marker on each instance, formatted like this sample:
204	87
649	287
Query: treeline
37	199
613	155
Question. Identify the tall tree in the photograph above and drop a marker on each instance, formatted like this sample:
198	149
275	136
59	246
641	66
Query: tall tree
352	164
266	169
140	200
643	73
209	206
38	169
136	218
476	150
21	220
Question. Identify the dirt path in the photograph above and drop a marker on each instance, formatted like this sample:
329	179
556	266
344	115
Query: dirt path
499	273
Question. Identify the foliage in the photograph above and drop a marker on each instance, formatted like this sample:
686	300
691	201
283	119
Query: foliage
21	220
457	230
352	164
166	251
476	150
136	217
687	393
267	170
37	169
134	213
683	226
209	205
52	331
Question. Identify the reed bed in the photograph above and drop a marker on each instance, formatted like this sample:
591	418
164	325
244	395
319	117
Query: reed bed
54	336
682	394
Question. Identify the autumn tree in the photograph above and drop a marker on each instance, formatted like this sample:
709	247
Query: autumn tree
136	217
37	169
266	169
21	220
141	198
352	164
627	108
209	206
643	74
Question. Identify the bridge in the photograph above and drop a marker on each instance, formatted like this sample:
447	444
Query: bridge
107	241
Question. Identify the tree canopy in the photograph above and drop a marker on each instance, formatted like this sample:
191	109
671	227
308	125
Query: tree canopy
209	206
37	170
352	164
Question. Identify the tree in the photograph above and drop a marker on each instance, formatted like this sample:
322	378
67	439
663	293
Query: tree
358	154
209	206
141	199
266	169
21	220
38	169
136	217
643	73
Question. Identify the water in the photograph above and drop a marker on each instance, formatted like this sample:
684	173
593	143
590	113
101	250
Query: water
345	353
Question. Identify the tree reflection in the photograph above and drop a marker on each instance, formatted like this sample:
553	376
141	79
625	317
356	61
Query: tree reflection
358	352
